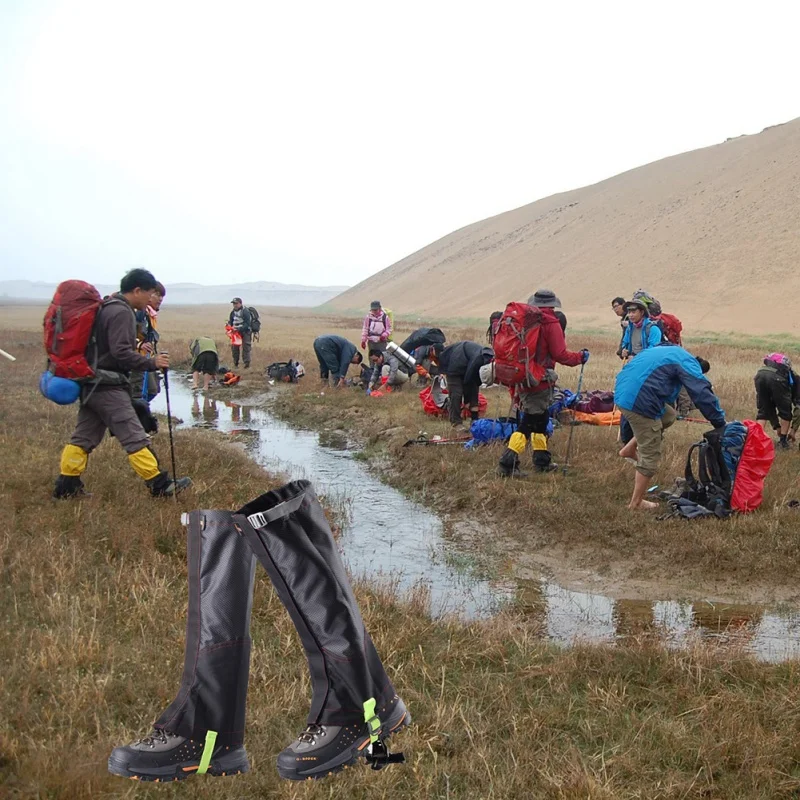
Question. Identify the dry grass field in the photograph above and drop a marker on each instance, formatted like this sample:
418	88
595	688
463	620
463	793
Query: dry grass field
93	601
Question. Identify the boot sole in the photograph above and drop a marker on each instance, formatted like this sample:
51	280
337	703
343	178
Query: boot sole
227	764
347	758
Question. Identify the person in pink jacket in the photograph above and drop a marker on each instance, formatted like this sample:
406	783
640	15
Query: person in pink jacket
377	328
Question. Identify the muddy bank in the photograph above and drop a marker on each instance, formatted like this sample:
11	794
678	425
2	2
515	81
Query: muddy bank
474	571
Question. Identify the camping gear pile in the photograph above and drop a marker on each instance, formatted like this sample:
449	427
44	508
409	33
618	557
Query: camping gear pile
732	463
436	402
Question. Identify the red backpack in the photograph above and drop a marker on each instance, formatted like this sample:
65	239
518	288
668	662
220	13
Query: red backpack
670	326
515	341
68	326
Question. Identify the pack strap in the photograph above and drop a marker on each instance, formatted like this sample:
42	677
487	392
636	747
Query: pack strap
688	472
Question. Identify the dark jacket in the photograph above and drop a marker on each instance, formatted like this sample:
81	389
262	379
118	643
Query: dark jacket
247	319
464	360
115	336
647	383
335	351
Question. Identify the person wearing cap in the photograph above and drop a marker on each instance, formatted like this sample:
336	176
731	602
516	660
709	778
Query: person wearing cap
645	392
377	328
640	333
535	401
240	320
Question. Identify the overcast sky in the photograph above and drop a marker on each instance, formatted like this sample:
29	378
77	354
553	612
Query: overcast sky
320	142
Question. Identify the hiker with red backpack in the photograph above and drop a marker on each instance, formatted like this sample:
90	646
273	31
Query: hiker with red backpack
645	392
106	402
528	343
640	333
669	325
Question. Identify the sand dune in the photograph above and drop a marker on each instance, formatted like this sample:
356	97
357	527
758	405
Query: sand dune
713	233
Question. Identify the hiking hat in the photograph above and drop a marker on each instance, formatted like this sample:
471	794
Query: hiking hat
544	298
374	305
637	304
236	300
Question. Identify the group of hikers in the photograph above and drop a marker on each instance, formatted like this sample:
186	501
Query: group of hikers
659	383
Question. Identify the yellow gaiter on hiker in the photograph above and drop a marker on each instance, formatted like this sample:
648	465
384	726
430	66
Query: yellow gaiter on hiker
144	463
73	460
538	441
517	442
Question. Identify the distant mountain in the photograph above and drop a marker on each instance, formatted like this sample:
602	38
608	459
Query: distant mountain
258	293
712	233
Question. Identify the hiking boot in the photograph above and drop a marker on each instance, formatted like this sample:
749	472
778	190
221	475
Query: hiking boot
321	750
164	756
508	466
542	461
783	443
68	486
164	486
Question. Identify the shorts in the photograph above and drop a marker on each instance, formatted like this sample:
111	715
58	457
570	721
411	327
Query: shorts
649	433
206	363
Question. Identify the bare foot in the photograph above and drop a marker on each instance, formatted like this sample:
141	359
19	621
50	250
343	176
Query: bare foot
644	505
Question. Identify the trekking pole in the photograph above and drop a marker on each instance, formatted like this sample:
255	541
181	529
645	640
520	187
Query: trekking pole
7	355
169	428
572	425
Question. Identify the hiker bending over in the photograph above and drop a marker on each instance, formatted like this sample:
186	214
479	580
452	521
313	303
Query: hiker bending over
377	328
777	390
645	391
640	333
460	363
241	321
534	402
335	355
205	360
106	402
146	385
385	365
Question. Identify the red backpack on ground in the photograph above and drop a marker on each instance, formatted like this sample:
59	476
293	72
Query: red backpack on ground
68	326
515	340
670	326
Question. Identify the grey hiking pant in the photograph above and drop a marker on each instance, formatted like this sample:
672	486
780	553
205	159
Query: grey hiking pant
109	408
247	343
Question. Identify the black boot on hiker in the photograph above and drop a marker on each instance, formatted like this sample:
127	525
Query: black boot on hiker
543	461
783	442
69	486
164	756
164	486
508	466
321	750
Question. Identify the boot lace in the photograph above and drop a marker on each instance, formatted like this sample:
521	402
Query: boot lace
309	735
156	737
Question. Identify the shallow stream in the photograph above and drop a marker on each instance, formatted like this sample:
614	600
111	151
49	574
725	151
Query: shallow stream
388	538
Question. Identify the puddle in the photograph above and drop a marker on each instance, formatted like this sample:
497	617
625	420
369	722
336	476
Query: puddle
388	538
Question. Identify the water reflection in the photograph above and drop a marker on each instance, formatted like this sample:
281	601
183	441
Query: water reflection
386	537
